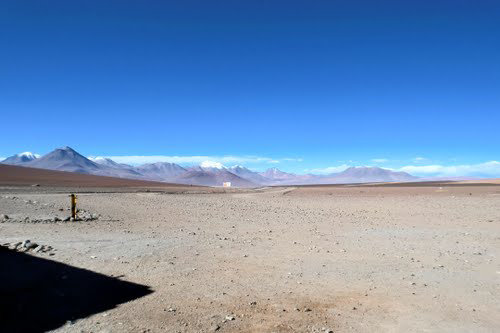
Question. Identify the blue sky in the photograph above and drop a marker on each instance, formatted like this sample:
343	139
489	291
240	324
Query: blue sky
306	86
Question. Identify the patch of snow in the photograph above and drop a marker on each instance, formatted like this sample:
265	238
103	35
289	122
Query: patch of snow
29	155
212	164
96	158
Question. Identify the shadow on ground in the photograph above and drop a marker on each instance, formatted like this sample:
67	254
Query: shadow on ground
37	295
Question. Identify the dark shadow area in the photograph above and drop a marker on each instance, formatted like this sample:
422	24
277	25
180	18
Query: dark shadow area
37	294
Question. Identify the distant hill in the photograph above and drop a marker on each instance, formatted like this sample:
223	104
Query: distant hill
250	175
20	159
276	174
65	159
208	174
20	175
369	175
161	171
213	177
350	175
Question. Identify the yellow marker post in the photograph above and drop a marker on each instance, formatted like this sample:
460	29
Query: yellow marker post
73	206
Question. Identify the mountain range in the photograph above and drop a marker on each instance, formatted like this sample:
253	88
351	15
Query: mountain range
67	159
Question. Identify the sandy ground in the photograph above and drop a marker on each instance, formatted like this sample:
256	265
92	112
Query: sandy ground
314	259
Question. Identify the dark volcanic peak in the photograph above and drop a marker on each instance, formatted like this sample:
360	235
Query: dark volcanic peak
21	158
65	159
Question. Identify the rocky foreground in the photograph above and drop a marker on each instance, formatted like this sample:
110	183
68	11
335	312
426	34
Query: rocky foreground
320	259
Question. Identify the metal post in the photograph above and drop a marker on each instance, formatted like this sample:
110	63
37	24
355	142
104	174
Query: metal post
73	206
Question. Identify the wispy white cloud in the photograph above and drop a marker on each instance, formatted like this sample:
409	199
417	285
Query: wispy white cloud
486	169
327	170
379	160
419	159
227	160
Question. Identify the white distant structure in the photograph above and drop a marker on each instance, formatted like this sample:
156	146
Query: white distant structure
226	184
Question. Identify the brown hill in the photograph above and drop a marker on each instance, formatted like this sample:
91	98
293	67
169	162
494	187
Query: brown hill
17	175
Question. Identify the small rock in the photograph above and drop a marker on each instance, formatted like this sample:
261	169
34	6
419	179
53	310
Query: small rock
5	217
307	310
229	317
27	244
66	219
56	219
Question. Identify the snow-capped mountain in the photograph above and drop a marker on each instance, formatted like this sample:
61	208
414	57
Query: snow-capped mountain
109	162
21	158
209	173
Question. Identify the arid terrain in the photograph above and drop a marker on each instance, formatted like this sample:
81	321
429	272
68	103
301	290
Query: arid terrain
281	259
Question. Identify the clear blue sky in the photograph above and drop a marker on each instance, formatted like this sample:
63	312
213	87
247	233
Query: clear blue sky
322	83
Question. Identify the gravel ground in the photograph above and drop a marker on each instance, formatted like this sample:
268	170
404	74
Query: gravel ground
315	259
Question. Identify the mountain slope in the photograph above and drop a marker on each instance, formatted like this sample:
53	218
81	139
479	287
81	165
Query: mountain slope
368	175
250	175
161	170
66	159
212	177
110	163
20	159
276	174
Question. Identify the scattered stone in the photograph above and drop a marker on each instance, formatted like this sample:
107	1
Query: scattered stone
215	328
27	244
4	217
230	317
307	310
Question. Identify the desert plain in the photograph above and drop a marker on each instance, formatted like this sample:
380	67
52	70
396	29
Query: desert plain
344	258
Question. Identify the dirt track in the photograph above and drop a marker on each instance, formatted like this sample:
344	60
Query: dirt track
348	259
